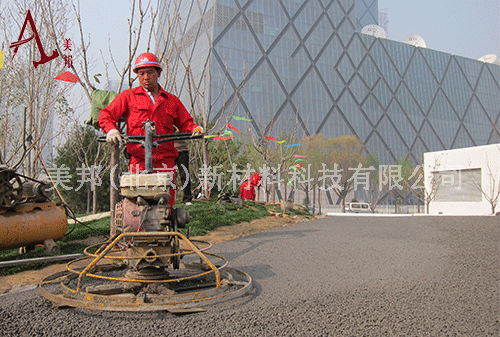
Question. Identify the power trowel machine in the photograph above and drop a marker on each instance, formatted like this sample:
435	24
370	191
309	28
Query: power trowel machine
148	264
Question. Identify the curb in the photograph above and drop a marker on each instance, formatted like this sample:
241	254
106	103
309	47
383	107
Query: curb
90	217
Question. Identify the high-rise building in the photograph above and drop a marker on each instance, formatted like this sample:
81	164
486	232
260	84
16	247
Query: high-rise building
306	60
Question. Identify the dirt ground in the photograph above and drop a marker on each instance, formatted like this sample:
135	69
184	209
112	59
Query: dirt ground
220	234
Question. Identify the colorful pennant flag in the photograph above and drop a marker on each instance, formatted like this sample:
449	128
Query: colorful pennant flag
227	133
68	77
292	145
2	54
281	141
299	156
242	119
224	138
271	138
232	127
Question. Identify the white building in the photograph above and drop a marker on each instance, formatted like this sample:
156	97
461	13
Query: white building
463	181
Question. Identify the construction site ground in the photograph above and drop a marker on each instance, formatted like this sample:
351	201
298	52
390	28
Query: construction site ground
345	275
25	279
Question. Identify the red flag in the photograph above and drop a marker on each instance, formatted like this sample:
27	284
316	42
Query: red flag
224	138
68	77
271	138
232	127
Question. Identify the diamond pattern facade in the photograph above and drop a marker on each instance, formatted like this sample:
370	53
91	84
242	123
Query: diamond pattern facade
305	60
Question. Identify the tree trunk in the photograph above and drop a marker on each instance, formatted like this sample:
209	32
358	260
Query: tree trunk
115	178
314	198
87	209
285	191
319	200
204	151
34	168
94	197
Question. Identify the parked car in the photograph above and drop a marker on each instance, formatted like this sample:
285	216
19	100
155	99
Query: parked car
358	207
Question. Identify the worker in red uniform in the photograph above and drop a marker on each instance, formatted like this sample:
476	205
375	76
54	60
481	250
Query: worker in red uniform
256	181
148	101
247	189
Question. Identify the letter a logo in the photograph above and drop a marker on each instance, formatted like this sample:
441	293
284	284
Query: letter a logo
43	57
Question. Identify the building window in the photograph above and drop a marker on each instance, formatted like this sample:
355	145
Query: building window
458	185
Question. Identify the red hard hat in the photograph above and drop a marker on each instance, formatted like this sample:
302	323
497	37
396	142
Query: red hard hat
146	60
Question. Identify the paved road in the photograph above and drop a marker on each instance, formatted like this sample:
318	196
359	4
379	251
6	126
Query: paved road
433	276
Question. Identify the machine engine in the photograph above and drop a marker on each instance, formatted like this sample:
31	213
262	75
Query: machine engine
145	208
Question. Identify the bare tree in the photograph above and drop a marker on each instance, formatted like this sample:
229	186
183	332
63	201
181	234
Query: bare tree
373	193
407	177
204	104
490	190
425	187
316	148
346	154
31	99
275	158
95	164
397	180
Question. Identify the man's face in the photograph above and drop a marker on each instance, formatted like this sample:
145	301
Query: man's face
148	77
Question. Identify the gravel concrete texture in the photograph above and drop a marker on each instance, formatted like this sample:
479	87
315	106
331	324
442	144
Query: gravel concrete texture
336	276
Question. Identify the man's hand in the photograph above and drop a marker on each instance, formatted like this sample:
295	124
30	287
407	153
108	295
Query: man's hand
114	137
197	131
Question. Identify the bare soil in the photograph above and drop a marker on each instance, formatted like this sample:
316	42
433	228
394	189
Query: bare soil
218	235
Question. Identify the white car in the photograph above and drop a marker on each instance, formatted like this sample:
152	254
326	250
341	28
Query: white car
358	207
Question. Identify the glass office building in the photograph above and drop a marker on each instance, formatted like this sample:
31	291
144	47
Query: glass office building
305	61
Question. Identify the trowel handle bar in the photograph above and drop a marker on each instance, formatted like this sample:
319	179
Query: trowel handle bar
166	138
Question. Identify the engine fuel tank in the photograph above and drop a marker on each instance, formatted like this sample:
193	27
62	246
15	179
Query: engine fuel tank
30	224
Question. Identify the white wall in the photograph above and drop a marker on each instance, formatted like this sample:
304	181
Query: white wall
459	193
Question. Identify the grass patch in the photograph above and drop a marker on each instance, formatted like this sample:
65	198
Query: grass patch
90	228
207	215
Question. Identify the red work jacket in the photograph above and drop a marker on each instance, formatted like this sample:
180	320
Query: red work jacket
137	106
247	191
256	181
